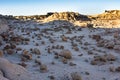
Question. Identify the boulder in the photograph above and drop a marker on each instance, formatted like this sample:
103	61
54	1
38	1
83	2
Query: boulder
3	78
13	71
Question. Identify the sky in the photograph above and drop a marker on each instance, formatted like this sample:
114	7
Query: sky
38	7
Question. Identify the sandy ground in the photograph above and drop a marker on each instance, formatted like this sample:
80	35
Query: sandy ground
47	36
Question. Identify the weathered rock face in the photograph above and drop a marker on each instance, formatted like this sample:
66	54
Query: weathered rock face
71	16
110	15
3	78
34	17
12	71
108	19
3	26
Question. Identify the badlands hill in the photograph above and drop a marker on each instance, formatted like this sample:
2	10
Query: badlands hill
108	19
109	15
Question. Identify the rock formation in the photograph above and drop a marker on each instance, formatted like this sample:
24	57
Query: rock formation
69	16
9	71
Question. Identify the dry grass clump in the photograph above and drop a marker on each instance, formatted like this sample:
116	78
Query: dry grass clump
96	37
10	48
10	51
76	76
64	60
36	51
64	38
66	54
43	68
114	69
103	59
18	49
26	55
76	48
109	44
73	76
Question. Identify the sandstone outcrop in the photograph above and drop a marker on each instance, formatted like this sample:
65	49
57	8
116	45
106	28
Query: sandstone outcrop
12	71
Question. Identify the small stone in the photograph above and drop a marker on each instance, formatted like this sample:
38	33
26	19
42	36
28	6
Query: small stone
80	55
72	64
90	52
52	62
87	73
51	77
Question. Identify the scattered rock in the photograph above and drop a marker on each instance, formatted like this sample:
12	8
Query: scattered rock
72	64
51	77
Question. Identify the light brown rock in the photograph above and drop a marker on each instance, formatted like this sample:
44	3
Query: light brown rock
13	71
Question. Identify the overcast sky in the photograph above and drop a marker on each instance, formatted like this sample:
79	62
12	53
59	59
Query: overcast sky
36	7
